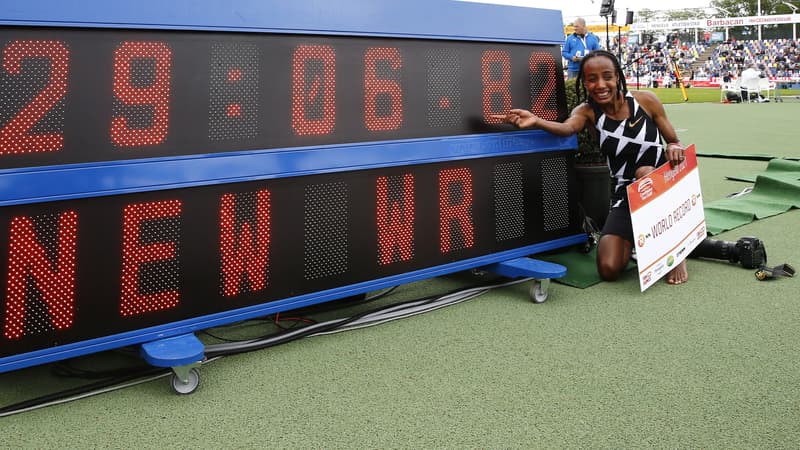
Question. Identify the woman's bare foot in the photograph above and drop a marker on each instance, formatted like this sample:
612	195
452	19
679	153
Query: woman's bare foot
679	274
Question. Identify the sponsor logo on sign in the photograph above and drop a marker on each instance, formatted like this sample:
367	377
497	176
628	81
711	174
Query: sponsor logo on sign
701	233
645	188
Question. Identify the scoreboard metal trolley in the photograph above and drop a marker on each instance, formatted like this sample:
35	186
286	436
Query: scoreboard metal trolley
167	167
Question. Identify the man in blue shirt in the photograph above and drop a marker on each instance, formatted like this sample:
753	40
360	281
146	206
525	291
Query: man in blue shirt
577	45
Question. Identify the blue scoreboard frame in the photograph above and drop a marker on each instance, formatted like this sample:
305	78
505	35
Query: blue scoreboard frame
167	167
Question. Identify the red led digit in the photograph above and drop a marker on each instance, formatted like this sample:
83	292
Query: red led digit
30	267
378	90
135	254
455	209
313	90
153	122
15	136
496	77
543	85
244	246
395	219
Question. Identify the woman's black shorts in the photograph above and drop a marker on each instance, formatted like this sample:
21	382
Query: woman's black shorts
619	222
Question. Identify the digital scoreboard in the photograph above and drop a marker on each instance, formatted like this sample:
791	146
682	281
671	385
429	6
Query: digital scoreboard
165	170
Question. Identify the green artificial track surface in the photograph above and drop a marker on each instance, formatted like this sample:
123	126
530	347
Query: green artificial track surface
712	363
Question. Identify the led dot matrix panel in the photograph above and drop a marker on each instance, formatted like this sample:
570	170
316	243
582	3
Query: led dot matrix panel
234	162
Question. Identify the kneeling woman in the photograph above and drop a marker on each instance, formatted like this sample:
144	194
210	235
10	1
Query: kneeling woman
632	128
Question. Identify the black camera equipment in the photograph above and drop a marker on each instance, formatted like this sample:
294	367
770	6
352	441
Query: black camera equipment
747	251
783	270
606	9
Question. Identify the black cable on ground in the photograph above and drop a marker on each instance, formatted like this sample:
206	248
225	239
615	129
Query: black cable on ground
80	391
747	157
148	373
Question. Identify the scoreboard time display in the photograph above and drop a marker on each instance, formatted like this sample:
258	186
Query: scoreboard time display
73	96
160	179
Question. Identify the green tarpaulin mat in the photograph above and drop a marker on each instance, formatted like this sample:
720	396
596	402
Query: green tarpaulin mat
778	168
775	191
581	267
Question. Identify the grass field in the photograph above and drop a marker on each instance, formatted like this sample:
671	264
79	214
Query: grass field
697	95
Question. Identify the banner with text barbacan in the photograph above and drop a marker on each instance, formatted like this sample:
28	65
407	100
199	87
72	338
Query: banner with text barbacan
667	217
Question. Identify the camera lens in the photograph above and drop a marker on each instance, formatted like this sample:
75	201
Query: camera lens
715	249
748	251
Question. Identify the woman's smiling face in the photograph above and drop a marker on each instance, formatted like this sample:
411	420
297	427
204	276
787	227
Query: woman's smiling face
601	79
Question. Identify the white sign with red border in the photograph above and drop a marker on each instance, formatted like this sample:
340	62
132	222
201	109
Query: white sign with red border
667	217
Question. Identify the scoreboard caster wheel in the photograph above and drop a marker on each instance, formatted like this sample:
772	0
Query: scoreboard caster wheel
186	383
538	291
183	354
539	271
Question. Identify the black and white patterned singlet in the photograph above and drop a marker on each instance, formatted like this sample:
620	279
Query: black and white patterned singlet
628	144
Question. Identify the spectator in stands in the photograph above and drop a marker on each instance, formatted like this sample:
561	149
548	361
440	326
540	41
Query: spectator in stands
577	46
728	77
630	126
